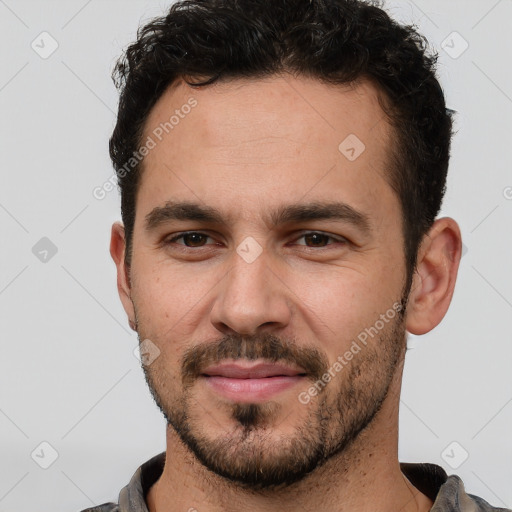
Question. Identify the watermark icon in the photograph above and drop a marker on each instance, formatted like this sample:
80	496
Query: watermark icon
352	147
146	352
249	249
44	250
100	192
454	455
454	45
507	193
44	455
305	396
44	45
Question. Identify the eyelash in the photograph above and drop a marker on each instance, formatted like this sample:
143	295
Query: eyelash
306	233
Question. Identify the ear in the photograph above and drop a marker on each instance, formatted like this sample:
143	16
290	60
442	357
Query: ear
117	251
434	279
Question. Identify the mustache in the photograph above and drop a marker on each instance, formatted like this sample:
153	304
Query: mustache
262	346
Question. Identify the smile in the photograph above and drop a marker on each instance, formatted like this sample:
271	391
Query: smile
251	382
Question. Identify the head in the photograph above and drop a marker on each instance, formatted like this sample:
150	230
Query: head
303	146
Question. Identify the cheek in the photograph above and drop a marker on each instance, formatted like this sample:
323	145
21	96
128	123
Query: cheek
168	299
338	305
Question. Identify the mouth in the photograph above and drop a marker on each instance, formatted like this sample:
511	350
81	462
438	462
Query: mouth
251	382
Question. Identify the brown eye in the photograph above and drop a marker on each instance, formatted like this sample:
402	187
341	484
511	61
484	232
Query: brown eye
191	239
315	239
194	239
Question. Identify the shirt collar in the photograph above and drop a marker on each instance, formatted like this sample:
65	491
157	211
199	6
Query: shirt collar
447	492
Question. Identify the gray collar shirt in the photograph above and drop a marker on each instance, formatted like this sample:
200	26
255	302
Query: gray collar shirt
447	492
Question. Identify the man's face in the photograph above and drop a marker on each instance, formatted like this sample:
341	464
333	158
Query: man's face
255	307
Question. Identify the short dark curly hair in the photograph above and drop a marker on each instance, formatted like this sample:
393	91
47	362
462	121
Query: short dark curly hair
334	41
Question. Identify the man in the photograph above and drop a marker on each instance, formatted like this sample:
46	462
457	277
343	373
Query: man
281	166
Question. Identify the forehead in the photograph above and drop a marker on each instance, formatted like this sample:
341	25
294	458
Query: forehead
298	136
280	105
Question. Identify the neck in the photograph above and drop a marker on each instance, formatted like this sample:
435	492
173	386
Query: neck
365	477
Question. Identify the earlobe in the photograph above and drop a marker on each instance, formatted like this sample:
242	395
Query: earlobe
434	280
117	251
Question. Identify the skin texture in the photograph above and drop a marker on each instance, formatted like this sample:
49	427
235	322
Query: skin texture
247	149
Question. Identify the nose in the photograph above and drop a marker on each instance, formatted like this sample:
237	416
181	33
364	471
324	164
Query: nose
251	298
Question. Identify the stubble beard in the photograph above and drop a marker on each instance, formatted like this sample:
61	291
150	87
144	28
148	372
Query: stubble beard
251	452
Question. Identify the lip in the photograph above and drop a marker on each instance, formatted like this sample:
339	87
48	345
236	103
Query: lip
252	370
251	382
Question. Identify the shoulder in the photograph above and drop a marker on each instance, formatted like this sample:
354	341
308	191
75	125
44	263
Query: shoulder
106	507
453	496
446	492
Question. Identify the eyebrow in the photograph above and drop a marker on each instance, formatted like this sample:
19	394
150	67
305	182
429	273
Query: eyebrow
293	213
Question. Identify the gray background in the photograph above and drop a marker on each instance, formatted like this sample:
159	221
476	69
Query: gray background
68	375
